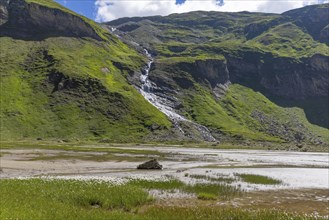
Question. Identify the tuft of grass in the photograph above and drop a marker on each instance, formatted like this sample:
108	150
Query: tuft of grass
221	191
162	185
207	196
259	179
212	179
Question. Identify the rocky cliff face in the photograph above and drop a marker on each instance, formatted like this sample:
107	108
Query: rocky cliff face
3	12
29	20
212	71
284	77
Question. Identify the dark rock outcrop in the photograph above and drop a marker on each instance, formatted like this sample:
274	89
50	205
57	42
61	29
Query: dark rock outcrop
150	165
286	77
257	28
20	19
3	12
182	75
214	71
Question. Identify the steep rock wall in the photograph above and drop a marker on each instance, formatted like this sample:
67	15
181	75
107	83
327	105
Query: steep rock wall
3	12
30	20
183	74
213	71
286	77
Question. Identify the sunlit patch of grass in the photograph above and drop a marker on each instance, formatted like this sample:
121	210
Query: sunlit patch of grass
153	184
206	196
212	179
221	191
258	179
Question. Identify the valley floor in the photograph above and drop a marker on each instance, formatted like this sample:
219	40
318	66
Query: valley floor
293	182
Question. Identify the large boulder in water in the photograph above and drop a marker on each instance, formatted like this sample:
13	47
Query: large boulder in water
150	165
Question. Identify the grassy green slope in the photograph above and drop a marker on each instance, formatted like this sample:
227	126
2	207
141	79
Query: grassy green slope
245	114
69	87
288	40
285	40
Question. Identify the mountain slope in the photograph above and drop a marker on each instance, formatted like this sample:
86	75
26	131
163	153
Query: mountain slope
68	83
234	77
215	65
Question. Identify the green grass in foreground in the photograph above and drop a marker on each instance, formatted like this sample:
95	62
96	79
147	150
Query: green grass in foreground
72	199
66	199
259	179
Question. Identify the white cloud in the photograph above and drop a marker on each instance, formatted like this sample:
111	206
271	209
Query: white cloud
112	9
279	6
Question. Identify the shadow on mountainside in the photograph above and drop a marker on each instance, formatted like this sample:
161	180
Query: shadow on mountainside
316	108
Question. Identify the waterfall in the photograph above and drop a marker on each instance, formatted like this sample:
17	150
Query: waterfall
162	103
147	89
152	93
146	84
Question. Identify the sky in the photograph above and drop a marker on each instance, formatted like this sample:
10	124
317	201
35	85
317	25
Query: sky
107	10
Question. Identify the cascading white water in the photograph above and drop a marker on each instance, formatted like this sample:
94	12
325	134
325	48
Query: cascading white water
146	84
155	100
161	103
160	100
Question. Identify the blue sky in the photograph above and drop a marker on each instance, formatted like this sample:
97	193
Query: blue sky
83	7
106	10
